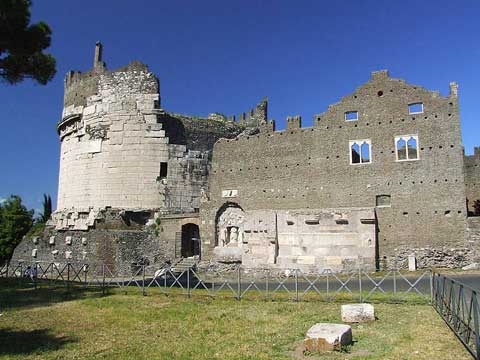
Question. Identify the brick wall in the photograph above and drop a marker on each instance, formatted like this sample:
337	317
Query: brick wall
310	167
472	178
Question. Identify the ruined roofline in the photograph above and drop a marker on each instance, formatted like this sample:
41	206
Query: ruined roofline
252	118
78	86
379	75
73	77
99	68
294	123
385	74
475	154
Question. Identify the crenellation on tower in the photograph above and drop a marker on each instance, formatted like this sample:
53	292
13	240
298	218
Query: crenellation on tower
294	122
453	89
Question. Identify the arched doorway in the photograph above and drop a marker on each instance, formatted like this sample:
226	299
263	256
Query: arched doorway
190	240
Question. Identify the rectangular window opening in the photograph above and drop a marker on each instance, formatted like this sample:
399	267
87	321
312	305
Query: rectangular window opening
383	201
415	108
351	115
163	170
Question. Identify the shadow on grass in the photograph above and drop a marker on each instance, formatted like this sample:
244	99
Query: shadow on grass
15	342
14	294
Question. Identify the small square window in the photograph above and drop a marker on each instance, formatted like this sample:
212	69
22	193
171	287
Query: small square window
383	201
351	115
415	108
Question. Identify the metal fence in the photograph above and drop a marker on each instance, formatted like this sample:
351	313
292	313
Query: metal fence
457	304
238	282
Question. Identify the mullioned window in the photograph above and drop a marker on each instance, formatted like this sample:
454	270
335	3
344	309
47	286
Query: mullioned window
360	151
406	147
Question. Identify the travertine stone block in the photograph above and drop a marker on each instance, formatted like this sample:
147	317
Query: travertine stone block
412	262
150	119
327	337
89	110
116	126
355	313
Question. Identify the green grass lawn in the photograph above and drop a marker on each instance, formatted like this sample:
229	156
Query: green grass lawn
51	324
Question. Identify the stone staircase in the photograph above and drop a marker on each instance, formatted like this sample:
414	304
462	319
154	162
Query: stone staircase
184	264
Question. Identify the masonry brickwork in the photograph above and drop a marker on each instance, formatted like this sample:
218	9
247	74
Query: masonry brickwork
472	178
381	175
311	167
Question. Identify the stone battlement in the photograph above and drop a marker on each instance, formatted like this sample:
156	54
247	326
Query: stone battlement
79	86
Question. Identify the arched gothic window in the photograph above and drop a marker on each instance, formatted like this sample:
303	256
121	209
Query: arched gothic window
406	147
360	152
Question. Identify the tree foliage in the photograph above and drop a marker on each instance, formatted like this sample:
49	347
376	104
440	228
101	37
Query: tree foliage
15	221
22	45
47	208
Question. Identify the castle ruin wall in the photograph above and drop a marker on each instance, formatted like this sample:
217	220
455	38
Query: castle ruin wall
472	178
418	203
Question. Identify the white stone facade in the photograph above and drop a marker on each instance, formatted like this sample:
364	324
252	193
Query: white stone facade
307	239
112	148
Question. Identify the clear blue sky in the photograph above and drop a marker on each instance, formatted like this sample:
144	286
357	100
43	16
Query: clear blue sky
226	55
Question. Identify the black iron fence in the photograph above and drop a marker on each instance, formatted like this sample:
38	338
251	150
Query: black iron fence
457	304
238	282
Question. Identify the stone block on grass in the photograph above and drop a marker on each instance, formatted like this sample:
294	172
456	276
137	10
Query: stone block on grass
323	337
356	313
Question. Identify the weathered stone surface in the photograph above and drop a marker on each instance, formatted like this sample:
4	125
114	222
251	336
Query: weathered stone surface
473	266
412	263
307	239
302	197
327	337
114	136
120	241
418	203
355	313
472	179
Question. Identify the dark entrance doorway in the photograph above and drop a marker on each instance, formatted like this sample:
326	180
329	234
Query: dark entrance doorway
190	240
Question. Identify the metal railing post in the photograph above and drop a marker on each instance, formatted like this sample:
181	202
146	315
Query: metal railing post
296	285
360	279
144	293
267	284
34	276
103	278
432	285
328	287
188	282
68	277
475	324
21	273
395	277
239	284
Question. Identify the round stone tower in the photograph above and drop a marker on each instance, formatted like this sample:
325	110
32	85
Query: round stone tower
114	152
